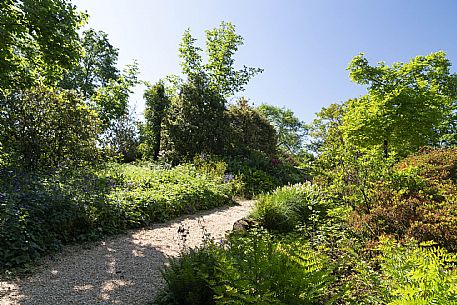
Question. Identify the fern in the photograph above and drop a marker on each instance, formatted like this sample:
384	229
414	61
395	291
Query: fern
423	275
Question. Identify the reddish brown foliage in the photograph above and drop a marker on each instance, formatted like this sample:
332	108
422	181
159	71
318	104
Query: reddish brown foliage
424	211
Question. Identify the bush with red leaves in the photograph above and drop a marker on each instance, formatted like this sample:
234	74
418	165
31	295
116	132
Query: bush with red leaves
419	200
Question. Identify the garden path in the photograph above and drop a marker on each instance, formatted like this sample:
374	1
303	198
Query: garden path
120	270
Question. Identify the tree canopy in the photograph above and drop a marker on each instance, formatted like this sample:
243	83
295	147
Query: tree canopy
291	131
39	39
221	45
97	65
405	106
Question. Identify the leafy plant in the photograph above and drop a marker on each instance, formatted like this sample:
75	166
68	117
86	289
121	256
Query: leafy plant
417	200
261	269
256	268
418	275
289	206
188	278
41	211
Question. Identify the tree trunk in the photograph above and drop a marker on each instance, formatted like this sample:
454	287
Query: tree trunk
157	136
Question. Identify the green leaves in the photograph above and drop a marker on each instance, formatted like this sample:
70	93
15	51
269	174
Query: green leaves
257	268
418	275
221	46
42	127
40	211
249	131
38	39
96	67
405	105
191	60
111	100
157	104
291	131
289	206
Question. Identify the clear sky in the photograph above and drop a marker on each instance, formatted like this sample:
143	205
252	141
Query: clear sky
304	46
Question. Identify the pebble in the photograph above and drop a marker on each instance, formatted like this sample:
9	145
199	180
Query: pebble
123	270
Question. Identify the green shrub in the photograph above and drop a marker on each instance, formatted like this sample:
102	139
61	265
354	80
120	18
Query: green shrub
289	206
188	278
43	127
396	274
259	268
256	268
261	174
39	212
417	275
37	216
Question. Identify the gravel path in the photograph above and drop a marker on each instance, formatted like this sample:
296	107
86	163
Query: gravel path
120	270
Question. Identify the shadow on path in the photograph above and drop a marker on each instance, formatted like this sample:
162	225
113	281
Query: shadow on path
121	270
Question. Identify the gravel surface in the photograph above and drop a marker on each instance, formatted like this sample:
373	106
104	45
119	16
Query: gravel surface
120	270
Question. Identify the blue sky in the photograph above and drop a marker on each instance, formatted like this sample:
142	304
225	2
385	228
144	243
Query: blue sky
304	46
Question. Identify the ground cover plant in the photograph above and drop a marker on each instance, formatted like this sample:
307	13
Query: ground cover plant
40	212
256	268
368	267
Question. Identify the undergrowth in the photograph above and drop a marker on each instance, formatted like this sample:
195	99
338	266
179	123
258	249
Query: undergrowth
40	212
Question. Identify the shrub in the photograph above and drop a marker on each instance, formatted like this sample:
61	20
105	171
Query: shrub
44	128
289	206
417	275
394	273
261	174
39	212
188	278
418	200
256	268
249	131
37	216
262	269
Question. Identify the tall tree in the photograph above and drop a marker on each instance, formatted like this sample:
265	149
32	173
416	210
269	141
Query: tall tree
97	65
291	131
324	131
38	40
157	102
249	131
197	121
123	137
405	105
97	78
111	100
221	45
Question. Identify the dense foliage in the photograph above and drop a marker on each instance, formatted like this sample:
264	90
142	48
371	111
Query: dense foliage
257	268
357	213
157	103
38	40
42	127
383	225
288	207
406	104
196	121
290	129
40	212
417	200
